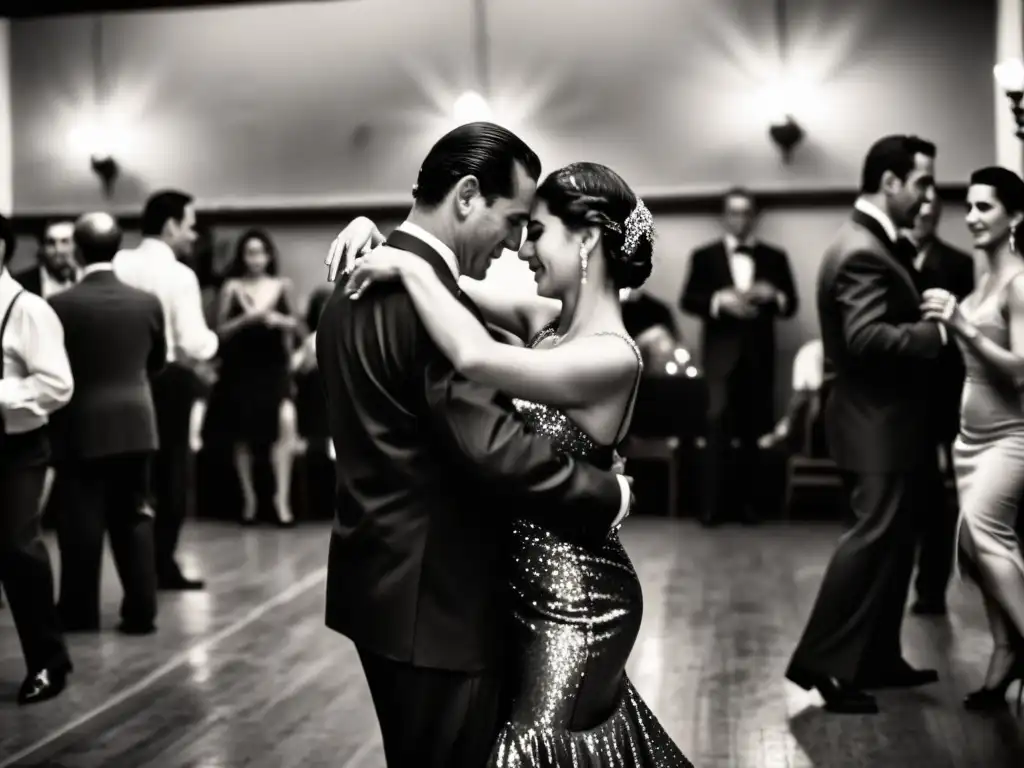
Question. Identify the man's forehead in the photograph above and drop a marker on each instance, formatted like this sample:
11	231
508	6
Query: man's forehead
523	189
738	204
924	164
60	231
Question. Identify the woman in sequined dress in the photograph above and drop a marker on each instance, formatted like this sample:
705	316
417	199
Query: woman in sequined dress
989	451
577	610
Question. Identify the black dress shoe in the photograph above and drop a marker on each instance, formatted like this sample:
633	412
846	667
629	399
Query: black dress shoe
178	583
840	698
43	685
928	608
901	676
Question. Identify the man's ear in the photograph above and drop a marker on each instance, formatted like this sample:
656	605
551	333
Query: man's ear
467	190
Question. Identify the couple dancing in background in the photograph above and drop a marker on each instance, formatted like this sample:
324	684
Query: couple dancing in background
883	341
477	567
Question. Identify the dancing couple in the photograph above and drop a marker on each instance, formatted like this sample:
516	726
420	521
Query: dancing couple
883	340
477	567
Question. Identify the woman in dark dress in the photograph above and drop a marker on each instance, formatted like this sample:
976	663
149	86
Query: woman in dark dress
576	609
252	397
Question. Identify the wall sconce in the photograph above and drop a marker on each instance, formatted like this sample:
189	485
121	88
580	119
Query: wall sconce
1010	76
786	134
106	167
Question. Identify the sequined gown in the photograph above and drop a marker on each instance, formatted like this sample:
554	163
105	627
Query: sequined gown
577	613
989	459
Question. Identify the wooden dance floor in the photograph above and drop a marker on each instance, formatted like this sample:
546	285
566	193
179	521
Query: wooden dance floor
245	674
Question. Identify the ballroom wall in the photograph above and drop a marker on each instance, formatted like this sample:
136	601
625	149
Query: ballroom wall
334	103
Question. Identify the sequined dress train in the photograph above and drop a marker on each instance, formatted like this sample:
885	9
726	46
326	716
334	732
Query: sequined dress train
577	614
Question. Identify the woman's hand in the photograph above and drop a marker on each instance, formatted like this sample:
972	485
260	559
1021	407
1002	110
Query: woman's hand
275	319
941	305
381	265
360	236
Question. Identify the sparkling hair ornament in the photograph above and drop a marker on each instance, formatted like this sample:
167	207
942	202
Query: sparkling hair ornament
639	225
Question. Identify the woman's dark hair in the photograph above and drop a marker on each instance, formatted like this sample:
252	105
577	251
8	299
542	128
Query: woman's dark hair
484	150
1009	187
237	267
588	194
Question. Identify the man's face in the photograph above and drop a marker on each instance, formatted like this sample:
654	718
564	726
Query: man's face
181	236
738	216
906	197
488	229
927	218
57	253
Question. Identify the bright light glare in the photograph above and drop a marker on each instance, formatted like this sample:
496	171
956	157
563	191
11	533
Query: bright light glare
471	107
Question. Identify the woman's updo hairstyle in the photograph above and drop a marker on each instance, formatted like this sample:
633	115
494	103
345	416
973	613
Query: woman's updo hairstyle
589	194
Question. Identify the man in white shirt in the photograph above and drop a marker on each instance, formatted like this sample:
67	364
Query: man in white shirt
35	381
168	232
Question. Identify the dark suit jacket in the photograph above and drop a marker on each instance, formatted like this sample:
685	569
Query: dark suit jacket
31	280
435	468
880	355
114	335
953	270
727	341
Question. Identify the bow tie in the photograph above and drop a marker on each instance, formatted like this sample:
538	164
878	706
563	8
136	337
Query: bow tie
745	250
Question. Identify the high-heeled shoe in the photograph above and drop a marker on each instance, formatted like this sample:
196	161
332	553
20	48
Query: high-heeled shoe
994	699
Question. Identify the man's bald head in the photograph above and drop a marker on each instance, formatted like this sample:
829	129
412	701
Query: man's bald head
97	238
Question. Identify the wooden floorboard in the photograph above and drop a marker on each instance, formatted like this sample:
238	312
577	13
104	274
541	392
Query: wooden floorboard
245	674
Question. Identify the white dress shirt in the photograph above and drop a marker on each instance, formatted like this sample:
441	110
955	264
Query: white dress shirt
876	213
37	374
154	268
50	286
420	233
743	270
453	264
809	367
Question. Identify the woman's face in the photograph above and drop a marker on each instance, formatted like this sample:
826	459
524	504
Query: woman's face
552	252
255	256
988	221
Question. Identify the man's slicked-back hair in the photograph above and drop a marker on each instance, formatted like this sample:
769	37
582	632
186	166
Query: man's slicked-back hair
162	207
484	150
892	153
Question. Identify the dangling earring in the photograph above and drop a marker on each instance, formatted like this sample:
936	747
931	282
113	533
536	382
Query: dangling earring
1013	240
584	254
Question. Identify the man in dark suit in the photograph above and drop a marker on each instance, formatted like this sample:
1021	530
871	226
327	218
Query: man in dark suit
56	269
938	264
880	356
105	438
435	468
738	287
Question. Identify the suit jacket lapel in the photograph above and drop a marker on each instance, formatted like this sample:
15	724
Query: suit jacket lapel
722	264
871	225
406	242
